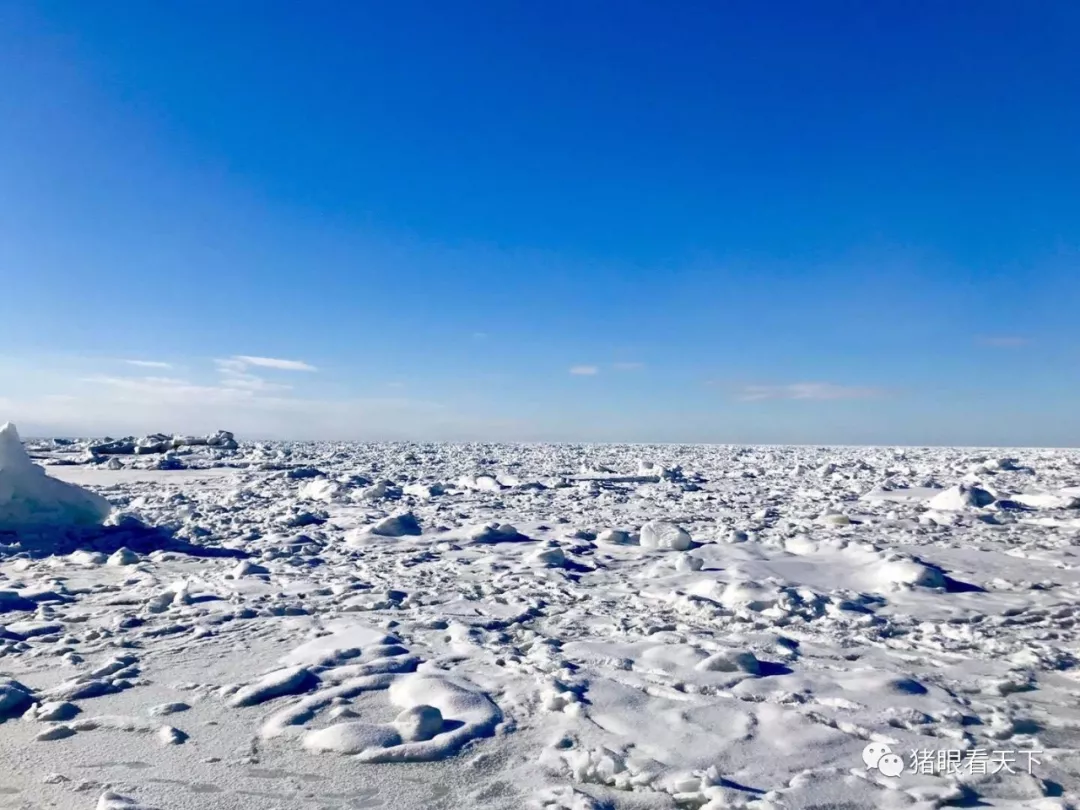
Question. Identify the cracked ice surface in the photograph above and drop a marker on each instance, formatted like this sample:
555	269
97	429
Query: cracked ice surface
430	626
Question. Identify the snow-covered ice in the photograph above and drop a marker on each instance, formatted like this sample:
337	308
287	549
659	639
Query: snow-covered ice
343	626
29	497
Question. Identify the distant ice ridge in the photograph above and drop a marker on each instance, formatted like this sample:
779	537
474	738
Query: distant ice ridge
160	443
29	497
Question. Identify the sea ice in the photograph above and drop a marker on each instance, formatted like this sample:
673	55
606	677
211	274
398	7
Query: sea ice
533	637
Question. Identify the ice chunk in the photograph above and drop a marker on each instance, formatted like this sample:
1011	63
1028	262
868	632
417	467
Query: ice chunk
661	534
424	490
550	555
487	483
320	489
650	468
909	572
167	708
615	537
731	661
375	492
688	562
831	517
14	698
29	497
398	525
962	496
246	568
56	711
496	533
114	801
168	735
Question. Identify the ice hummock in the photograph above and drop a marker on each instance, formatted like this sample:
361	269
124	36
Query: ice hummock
29	497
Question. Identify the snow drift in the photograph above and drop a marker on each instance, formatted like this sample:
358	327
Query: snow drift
29	497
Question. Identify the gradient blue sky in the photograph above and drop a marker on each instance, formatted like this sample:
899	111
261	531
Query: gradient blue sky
828	222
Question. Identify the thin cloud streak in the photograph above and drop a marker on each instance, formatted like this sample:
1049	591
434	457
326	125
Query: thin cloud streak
148	363
806	391
273	362
1002	341
234	374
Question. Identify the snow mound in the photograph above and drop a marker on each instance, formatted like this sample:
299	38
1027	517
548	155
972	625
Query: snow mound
495	533
901	572
29	497
661	534
350	738
399	525
730	661
962	496
290	681
1047	500
473	712
551	556
419	723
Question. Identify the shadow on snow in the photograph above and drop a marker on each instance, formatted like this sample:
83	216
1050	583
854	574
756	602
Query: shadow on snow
137	537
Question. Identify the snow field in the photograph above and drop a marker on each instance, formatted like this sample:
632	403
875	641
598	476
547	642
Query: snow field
414	626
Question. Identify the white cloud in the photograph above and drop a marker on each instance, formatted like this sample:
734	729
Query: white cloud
148	364
231	365
234	374
628	366
45	398
81	400
584	371
251	382
806	390
117	405
1003	341
273	362
165	388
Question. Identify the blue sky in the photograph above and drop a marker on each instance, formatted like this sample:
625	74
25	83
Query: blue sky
733	222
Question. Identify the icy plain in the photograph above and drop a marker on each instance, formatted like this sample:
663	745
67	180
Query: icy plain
348	626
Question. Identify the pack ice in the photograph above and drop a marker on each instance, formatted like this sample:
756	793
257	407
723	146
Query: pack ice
328	626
